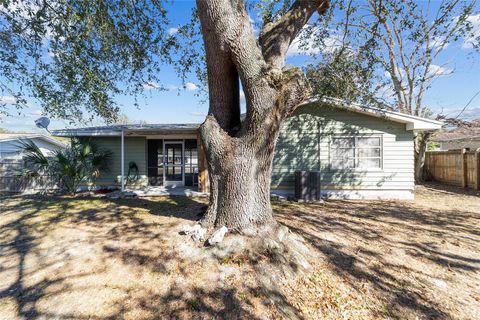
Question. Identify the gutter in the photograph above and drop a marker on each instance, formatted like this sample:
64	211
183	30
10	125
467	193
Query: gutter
408	118
39	136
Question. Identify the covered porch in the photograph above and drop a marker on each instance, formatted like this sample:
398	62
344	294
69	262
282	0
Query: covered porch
155	159
175	160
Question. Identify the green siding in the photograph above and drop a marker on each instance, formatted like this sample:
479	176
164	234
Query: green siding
304	145
135	150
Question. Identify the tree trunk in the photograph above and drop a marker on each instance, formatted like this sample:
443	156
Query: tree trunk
240	176
420	147
243	190
239	151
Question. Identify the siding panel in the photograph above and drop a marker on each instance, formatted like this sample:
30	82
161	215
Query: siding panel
134	151
304	145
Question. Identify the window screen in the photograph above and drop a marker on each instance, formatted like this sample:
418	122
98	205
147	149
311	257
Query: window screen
356	152
191	162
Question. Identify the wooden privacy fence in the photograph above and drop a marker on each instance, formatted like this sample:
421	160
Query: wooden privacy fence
457	167
12	182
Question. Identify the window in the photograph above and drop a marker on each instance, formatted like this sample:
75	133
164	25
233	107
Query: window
356	152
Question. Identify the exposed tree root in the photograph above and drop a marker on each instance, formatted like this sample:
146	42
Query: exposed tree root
276	255
273	249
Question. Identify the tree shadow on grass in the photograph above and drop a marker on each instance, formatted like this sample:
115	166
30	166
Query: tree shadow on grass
55	247
19	238
198	303
446	189
392	247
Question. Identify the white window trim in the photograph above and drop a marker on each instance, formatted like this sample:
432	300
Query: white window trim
361	135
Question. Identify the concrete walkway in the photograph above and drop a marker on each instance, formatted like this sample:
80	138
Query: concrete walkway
161	191
156	191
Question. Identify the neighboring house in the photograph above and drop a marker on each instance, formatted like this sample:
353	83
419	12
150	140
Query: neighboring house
11	147
11	162
360	151
460	138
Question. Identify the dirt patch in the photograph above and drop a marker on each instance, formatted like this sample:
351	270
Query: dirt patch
90	258
417	259
87	258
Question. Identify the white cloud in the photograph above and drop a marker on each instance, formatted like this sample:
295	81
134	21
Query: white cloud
302	46
151	85
468	42
333	43
401	74
172	31
198	114
8	100
438	42
35	113
305	43
470	113
295	49
190	86
385	92
436	70
26	10
19	8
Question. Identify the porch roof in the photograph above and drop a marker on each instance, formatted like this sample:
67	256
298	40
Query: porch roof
116	130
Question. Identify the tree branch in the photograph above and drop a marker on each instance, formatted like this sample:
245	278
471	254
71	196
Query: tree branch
394	70
276	37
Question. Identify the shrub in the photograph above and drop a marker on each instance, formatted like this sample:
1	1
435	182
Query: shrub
82	161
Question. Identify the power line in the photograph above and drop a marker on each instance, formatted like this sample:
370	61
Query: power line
466	106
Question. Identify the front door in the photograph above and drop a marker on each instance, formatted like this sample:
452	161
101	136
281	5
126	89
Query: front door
173	163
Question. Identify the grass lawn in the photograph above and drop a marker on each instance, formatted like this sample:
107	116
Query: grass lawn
92	258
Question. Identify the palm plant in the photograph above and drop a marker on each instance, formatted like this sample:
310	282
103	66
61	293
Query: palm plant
82	161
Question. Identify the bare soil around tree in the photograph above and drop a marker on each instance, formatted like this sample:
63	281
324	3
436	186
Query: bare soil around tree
92	258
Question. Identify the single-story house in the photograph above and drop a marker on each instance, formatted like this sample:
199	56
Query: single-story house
11	147
460	138
360	151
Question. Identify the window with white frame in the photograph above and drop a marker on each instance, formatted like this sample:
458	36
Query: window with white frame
356	152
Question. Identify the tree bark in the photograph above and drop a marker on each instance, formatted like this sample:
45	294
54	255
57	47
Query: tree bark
420	147
240	152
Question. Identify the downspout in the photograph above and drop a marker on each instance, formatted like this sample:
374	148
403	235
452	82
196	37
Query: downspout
319	140
122	156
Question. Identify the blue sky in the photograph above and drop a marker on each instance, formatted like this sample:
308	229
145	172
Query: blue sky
448	93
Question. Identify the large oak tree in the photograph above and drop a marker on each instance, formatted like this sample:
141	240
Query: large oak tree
102	48
240	153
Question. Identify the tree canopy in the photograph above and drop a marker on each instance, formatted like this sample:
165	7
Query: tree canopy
390	51
75	57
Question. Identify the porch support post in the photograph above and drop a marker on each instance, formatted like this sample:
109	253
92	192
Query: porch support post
122	157
203	183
